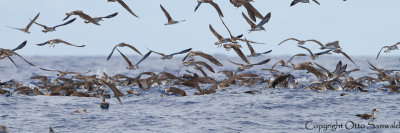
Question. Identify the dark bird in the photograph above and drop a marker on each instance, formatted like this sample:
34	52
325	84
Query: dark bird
294	2
253	53
259	26
164	56
98	19
49	29
82	15
104	104
26	29
7	53
170	20
199	2
123	45
367	116
56	41
122	3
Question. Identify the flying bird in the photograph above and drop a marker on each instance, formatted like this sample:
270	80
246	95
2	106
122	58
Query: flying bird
314	56
49	29
301	42
82	15
98	19
221	39
204	55
26	29
259	26
388	49
170	20
122	3
164	56
233	38
248	65
56	41
7	53
123	45
199	2
294	2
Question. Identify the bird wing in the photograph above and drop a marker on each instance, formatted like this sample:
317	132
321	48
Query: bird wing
240	53
41	44
20	46
50	70
315	41
62	41
324	69
11	60
126	7
126	59
217	8
209	58
289	39
182	52
44	26
291	58
265	20
166	13
197	6
111	15
252	25
380	52
323	52
68	22
157	53
144	57
294	2
88	18
348	57
309	51
262	62
205	65
22	58
226	27
234	62
250	48
316	2
216	33
114	89
33	20
112	51
130	46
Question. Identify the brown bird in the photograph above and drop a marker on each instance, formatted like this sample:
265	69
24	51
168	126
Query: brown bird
123	45
131	66
50	29
388	49
339	50
294	2
164	56
82	15
98	19
62	73
367	116
170	20
199	2
3	129
26	29
219	37
51	130
174	90
239	52
202	63
55	41
104	104
7	53
314	56
259	26
122	3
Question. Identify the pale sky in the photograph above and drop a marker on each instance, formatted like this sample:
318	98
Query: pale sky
361	26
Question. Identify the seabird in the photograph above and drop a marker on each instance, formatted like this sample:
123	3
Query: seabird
199	2
313	56
219	37
233	38
55	41
7	53
388	49
301	42
294	2
170	20
123	45
26	29
164	56
98	19
50	29
82	15
124	5
174	90
104	104
259	26
368	116
248	65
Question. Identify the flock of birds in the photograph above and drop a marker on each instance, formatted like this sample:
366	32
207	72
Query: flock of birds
82	85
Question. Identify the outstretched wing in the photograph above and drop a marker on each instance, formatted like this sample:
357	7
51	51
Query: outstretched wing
126	7
144	57
126	59
68	22
241	55
62	41
380	52
252	25
33	20
111	15
265	19
130	46
289	39
217	8
262	62
20	46
166	13
210	58
215	33
182	52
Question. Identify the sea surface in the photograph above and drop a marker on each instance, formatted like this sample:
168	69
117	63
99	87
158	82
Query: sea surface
230	110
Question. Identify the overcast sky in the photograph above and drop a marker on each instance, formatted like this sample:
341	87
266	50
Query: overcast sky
361	26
